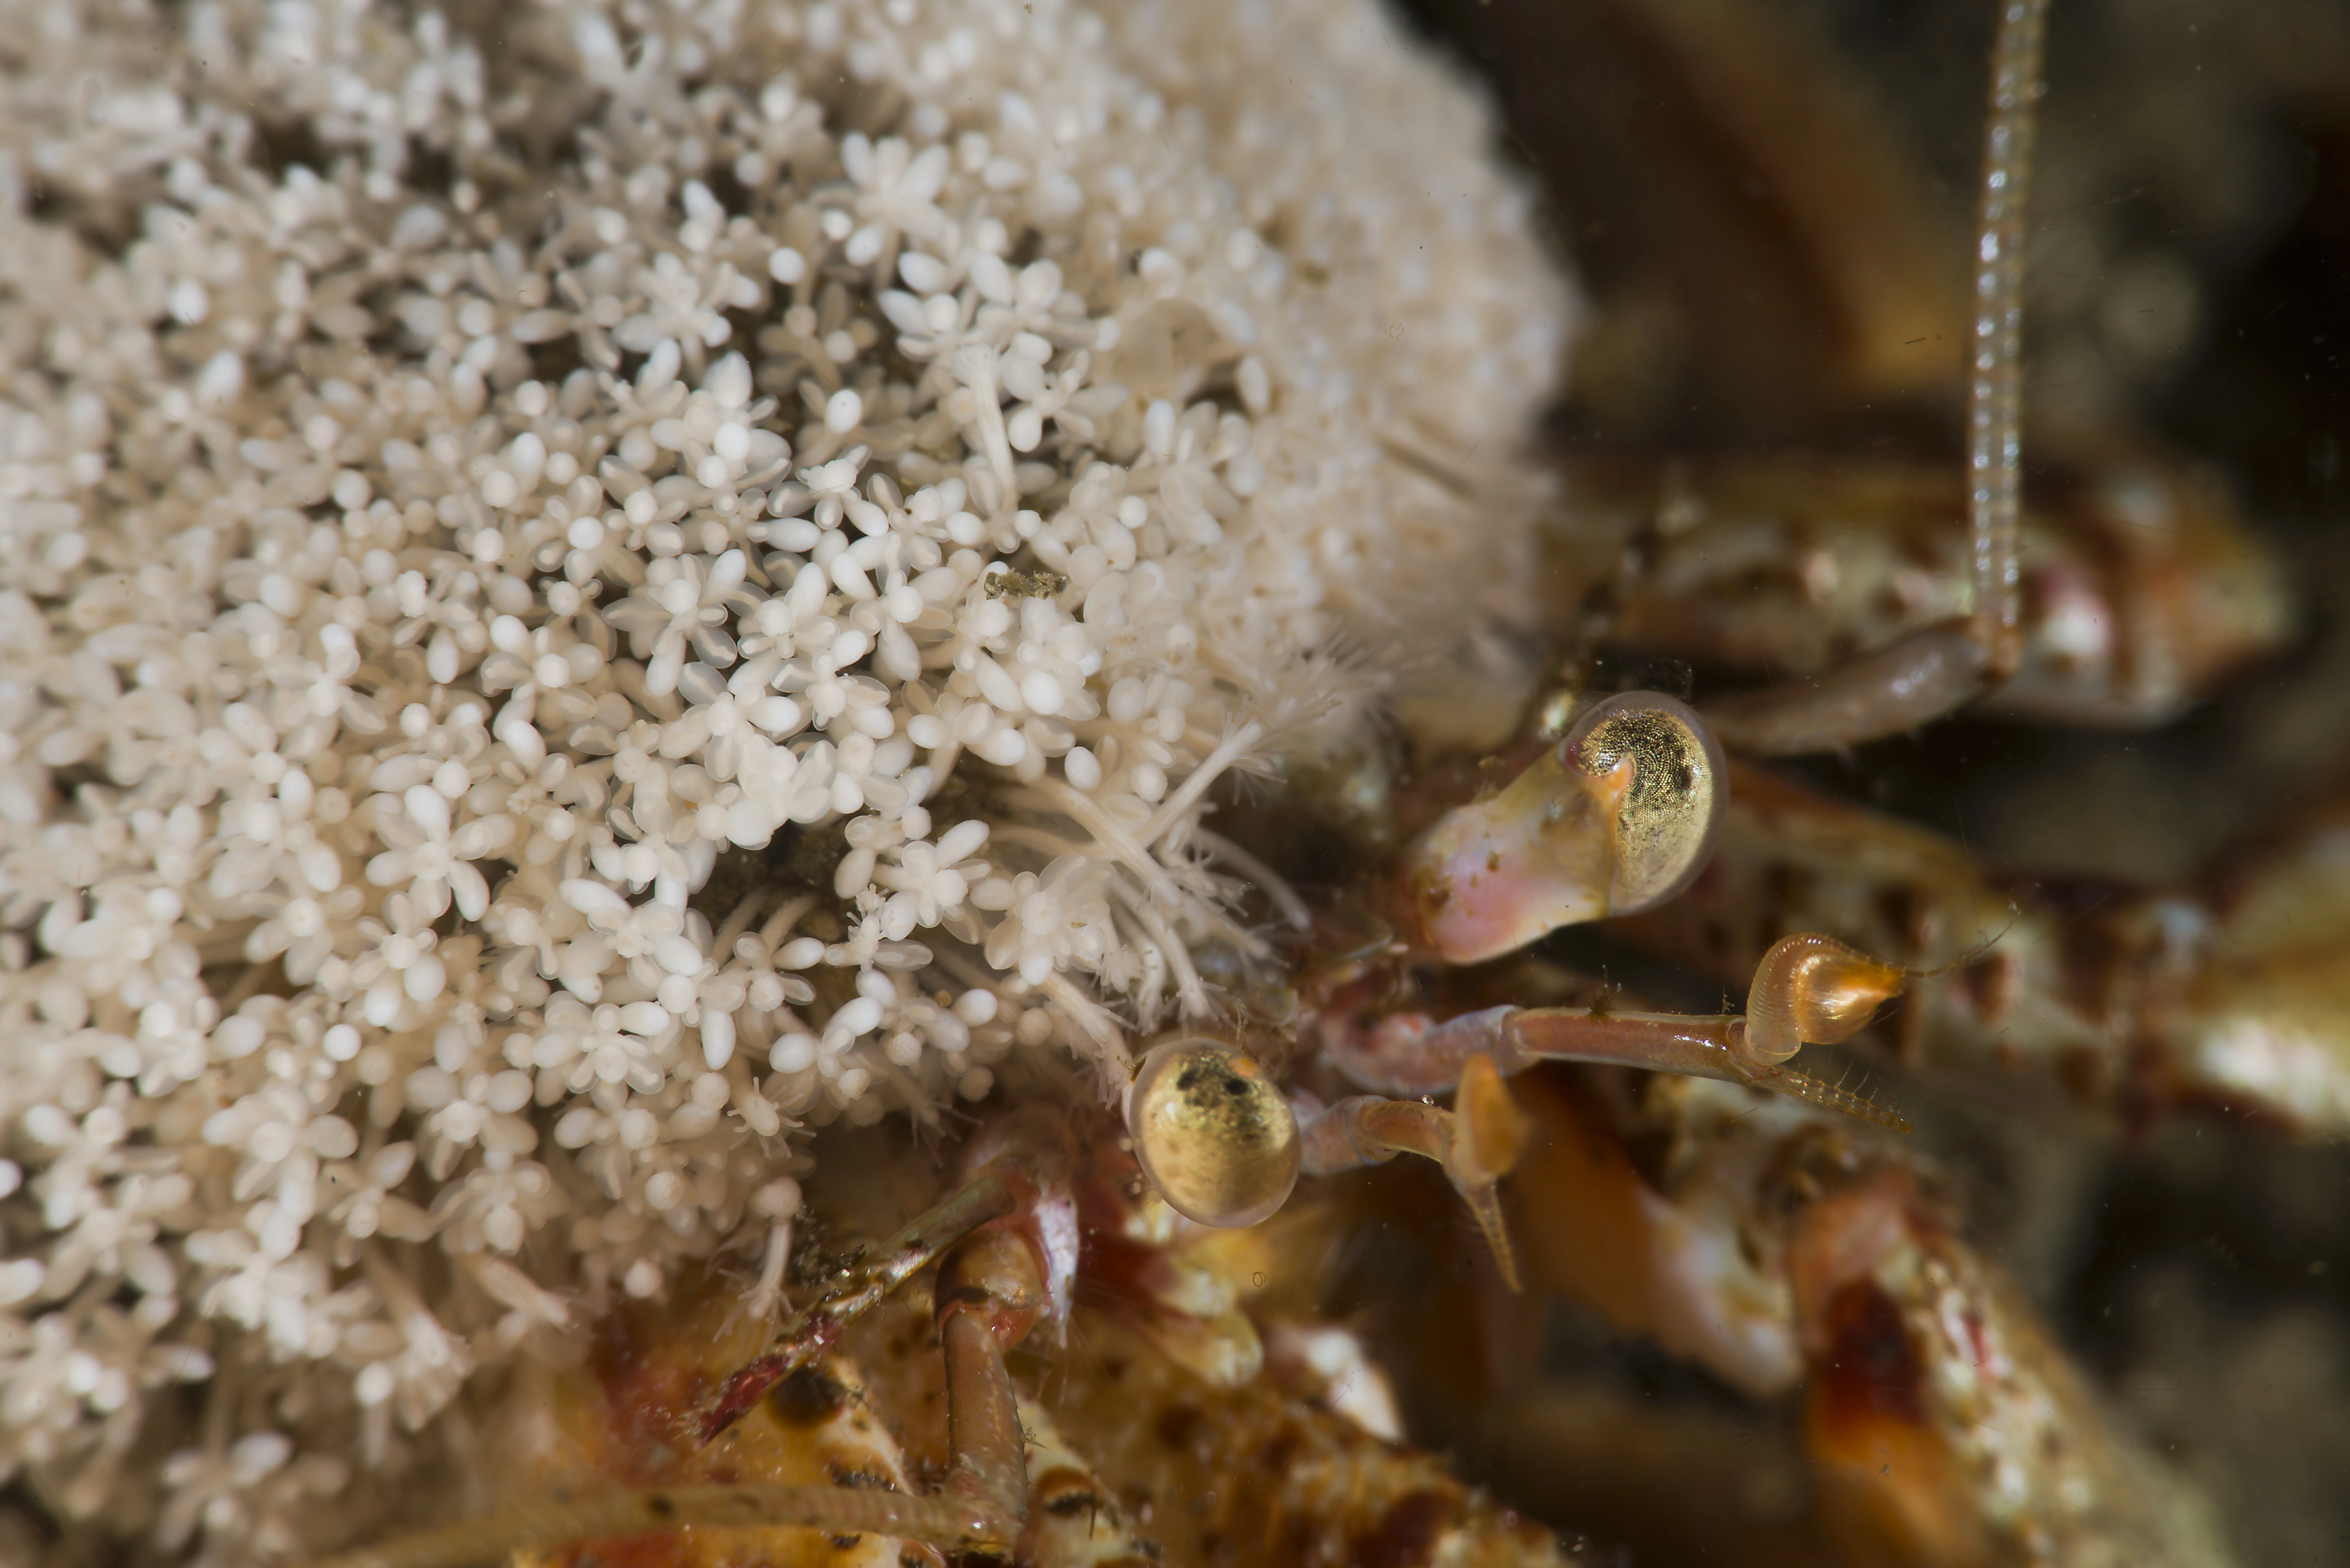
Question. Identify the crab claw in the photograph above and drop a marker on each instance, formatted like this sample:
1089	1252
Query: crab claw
1616	817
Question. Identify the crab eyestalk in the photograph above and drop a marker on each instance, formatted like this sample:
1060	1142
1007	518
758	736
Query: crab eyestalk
1615	819
1212	1132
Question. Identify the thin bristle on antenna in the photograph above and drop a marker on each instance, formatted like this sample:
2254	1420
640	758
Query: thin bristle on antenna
1831	1096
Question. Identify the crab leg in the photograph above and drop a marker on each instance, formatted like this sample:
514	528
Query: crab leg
1808	989
1014	1173
1932	671
991	1293
1783	563
815	1326
1942	1424
841	1510
1002	1258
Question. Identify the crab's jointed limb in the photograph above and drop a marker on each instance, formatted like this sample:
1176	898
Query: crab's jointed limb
1004	1243
1942	1424
1019	1174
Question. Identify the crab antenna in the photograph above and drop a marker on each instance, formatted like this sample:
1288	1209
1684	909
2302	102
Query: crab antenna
1995	396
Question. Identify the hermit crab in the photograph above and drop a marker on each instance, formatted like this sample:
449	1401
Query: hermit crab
1608	804
538	563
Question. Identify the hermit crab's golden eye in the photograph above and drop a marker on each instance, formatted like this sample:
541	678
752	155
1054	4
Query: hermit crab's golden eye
1672	792
1213	1133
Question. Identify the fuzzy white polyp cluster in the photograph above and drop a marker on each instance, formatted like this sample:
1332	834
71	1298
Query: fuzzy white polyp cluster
472	485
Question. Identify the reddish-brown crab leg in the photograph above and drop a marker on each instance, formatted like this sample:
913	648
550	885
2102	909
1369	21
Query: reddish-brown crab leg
1019	1173
1001	1254
840	1509
1477	1142
1808	989
991	1291
991	1294
814	1327
1942	1423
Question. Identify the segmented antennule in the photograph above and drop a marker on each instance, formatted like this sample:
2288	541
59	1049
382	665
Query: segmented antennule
1618	816
1215	1136
1811	990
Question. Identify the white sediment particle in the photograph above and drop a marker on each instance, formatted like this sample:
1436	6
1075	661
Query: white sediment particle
420	577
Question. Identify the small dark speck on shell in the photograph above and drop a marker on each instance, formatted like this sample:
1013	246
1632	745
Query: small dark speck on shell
808	1395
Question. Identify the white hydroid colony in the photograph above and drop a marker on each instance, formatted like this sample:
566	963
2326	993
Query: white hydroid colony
464	478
